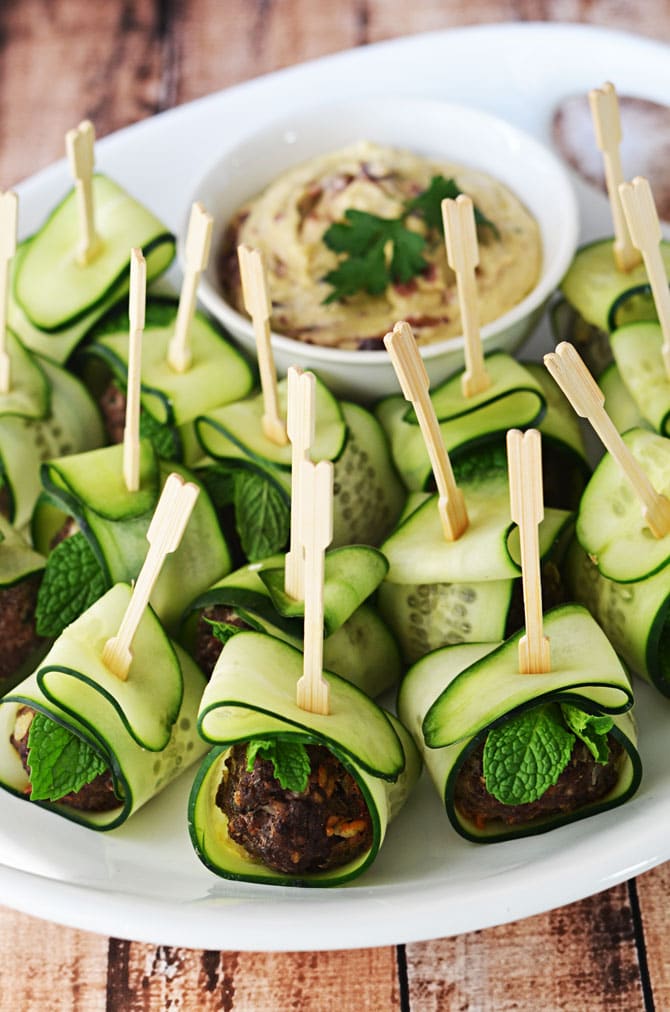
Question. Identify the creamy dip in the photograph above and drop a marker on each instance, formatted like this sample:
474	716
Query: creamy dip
287	222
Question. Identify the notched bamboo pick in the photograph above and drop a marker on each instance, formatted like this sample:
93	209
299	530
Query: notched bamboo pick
164	535
415	385
645	229
460	233
9	216
196	256
316	533
607	127
136	311
586	397
300	425
80	147
257	304
524	462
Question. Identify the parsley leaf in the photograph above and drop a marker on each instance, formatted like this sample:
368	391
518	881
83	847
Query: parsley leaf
290	761
429	205
60	762
524	756
262	515
590	728
222	631
72	581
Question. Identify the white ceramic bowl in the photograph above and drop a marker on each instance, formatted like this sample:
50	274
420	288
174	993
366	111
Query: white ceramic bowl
431	128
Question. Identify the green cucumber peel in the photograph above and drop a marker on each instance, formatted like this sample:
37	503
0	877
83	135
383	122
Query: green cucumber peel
60	762
73	580
525	755
290	761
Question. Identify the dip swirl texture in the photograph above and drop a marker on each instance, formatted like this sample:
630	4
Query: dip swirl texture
288	219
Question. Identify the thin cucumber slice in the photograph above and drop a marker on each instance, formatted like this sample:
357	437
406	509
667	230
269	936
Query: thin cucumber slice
637	350
53	289
218	373
138	774
256	674
17	559
610	524
635	617
592	343
209	827
29	395
598	291
508	377
619	404
491	687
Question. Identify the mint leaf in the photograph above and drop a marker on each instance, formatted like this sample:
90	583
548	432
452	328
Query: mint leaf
222	631
262	515
163	437
219	482
429	205
591	728
72	581
290	761
524	756
60	762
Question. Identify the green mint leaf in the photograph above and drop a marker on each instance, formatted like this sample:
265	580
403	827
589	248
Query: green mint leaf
290	762
591	728
219	482
262	515
524	756
223	631
72	581
164	438
60	762
429	205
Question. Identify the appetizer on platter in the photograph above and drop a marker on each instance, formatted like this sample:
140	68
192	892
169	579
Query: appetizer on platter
323	228
288	796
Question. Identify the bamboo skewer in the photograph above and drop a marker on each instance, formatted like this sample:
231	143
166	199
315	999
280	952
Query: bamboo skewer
9	214
607	126
300	425
586	397
645	229
524	457
415	385
80	147
257	304
164	535
316	523
460	235
136	309
196	255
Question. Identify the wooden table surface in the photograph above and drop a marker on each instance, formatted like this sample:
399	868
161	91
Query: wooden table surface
120	61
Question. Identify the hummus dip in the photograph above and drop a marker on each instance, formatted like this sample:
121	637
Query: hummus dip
287	222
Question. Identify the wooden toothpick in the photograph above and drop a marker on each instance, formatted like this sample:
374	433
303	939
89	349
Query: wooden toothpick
164	535
196	255
460	235
645	230
524	461
415	385
607	126
80	146
136	309
257	304
300	425
588	400
316	523
9	215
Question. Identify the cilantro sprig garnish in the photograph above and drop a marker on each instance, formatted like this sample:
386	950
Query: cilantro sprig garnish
377	252
60	762
524	756
290	761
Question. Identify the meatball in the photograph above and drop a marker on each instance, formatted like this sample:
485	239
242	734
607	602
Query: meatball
96	796
325	826
17	624
207	646
112	404
582	782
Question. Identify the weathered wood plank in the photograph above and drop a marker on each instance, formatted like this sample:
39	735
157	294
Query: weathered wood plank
145	977
579	957
48	968
653	889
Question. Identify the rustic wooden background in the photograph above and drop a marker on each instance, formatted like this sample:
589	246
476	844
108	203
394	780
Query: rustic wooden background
117	62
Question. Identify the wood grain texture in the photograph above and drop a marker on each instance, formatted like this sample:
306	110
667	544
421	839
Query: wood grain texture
653	889
579	957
